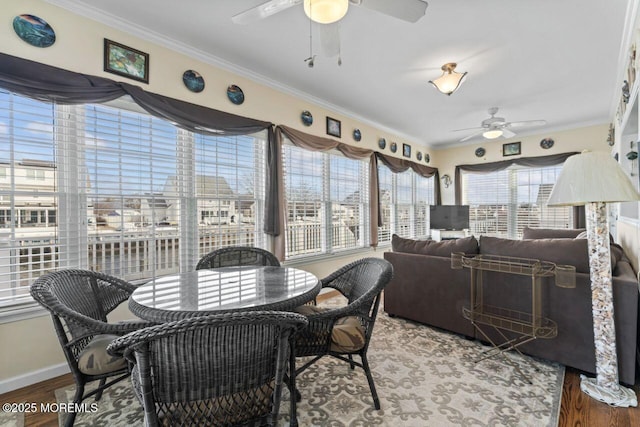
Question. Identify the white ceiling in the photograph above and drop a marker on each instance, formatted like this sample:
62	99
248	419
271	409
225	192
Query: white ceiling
556	60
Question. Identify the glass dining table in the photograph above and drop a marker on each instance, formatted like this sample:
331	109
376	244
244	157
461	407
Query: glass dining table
223	290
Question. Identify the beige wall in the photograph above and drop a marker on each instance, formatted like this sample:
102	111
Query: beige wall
590	138
79	47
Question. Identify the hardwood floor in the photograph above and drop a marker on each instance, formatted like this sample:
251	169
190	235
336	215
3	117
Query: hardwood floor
577	410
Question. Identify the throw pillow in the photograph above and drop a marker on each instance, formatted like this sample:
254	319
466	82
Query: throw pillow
444	248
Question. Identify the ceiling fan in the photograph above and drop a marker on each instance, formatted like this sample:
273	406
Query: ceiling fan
407	10
495	127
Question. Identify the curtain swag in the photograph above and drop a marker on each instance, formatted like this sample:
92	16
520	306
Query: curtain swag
317	143
397	165
51	84
551	160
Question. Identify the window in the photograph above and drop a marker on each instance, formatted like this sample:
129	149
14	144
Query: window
503	203
112	189
27	141
404	199
229	189
327	202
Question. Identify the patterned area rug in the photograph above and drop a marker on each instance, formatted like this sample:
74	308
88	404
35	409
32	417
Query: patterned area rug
11	419
424	377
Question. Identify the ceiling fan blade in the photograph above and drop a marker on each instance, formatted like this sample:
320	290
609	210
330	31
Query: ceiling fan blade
473	135
407	10
507	133
262	11
526	123
465	129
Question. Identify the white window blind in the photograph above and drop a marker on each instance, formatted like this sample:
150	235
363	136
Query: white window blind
503	203
424	196
327	202
28	220
404	198
229	188
109	189
349	195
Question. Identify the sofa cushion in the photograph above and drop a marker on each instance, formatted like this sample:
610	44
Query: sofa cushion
467	245
551	233
559	251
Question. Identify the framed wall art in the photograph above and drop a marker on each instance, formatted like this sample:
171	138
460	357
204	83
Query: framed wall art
406	150
126	61
334	127
511	149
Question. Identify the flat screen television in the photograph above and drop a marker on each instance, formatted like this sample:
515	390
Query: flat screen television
449	217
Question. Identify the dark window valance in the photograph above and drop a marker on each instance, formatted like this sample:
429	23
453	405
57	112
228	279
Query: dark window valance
52	84
541	161
554	159
275	219
397	165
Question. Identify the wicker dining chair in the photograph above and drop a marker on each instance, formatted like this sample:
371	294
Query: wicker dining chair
79	302
346	331
215	370
234	256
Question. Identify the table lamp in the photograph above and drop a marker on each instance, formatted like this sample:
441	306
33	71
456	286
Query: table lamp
594	179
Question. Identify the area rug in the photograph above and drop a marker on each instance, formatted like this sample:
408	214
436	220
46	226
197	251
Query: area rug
424	377
11	419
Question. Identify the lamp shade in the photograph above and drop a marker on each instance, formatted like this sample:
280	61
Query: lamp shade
326	11
450	80
591	177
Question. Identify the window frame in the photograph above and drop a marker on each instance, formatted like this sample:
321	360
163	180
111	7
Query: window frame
71	195
414	205
514	201
326	247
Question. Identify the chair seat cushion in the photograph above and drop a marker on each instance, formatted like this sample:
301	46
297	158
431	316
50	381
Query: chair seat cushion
347	335
94	359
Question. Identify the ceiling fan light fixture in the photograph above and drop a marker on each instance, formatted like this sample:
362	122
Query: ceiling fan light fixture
450	80
492	133
326	11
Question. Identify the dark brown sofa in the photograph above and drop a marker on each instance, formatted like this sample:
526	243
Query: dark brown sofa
426	289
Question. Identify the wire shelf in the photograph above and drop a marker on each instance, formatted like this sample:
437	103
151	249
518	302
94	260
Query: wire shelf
512	320
504	264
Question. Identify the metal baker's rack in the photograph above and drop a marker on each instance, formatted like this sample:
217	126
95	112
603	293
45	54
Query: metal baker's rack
526	326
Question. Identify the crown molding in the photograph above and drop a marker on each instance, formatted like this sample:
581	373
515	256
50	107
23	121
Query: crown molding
143	33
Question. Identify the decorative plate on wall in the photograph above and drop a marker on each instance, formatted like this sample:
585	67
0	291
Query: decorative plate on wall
546	143
419	155
480	152
193	81
393	147
357	135
427	158
34	30
306	117
235	94
382	143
